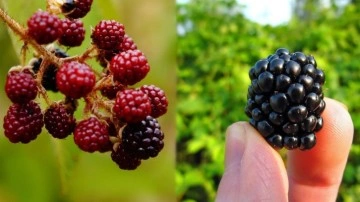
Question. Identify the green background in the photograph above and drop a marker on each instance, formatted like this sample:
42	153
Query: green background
49	169
217	46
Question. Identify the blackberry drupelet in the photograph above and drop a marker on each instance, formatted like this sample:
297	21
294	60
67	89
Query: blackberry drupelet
285	99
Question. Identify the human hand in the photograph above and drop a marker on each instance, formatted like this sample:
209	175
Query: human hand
254	171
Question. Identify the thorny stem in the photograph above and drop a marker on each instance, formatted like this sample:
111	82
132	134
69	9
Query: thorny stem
44	64
24	49
21	31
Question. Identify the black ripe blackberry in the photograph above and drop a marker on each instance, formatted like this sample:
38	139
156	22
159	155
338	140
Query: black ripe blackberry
49	78
285	99
143	139
124	159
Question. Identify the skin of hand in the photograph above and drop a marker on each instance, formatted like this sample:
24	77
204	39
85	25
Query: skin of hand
254	171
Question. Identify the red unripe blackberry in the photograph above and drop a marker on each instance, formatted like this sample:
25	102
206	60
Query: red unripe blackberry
75	79
73	32
59	121
92	135
129	67
76	8
23	122
157	98
111	91
285	99
20	86
125	160
131	106
44	27
127	44
108	34
143	139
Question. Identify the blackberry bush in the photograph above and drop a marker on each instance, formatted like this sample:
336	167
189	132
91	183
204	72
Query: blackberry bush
114	113
285	99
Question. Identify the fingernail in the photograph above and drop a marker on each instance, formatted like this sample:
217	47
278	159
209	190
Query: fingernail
235	144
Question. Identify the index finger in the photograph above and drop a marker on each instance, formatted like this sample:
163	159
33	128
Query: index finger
315	175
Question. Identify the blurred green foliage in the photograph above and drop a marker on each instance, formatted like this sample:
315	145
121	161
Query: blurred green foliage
217	46
49	169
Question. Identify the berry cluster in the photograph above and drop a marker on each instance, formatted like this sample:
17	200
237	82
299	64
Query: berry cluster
119	118
285	99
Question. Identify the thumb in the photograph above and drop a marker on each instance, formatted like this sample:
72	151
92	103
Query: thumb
253	170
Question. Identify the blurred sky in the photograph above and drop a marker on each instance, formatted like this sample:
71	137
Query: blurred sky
274	12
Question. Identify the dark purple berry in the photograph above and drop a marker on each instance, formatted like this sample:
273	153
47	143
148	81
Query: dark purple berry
285	99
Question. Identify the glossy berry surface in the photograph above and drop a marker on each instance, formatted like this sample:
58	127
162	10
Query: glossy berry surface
92	135
23	122
124	159
20	86
129	67
75	79
157	98
285	99
59	121
108	34
73	32
44	27
143	139
76	8
131	105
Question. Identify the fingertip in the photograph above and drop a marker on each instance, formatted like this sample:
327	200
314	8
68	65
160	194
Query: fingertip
318	172
235	143
253	169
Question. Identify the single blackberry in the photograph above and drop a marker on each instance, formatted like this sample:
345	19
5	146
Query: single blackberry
59	121
108	34
75	79
111	91
129	67
23	122
92	135
76	8
125	160
157	98
20	86
49	77
44	27
285	99
73	32
131	106
143	139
